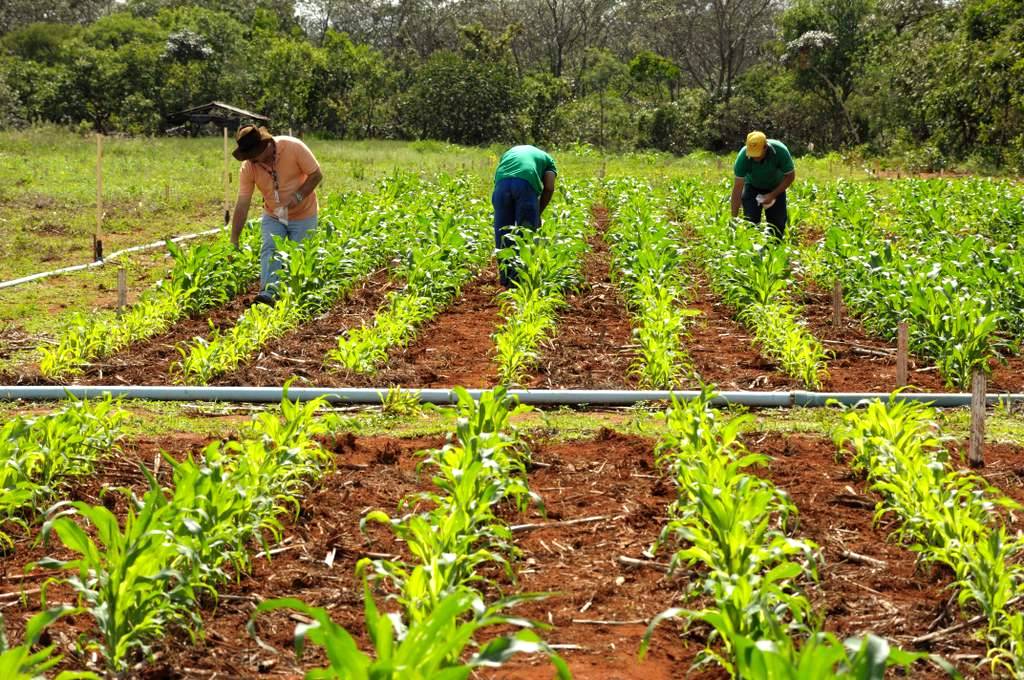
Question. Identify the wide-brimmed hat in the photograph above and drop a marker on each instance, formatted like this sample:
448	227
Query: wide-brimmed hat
251	142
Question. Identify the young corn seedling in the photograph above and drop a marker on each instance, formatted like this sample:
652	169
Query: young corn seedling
432	648
202	277
20	662
751	271
647	265
547	261
38	455
947	516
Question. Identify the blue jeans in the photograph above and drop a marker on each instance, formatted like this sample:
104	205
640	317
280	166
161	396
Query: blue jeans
515	204
295	230
777	216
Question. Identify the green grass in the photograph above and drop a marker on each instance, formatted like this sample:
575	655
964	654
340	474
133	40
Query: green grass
555	424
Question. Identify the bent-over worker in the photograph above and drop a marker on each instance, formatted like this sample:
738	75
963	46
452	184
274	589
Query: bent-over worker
763	171
287	174
523	186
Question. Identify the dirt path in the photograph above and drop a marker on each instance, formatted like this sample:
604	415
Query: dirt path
722	350
455	348
591	348
856	365
300	354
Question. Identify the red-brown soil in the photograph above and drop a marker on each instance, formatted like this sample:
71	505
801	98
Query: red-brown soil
454	348
300	353
1008	377
610	476
150	362
899	600
856	365
592	344
722	350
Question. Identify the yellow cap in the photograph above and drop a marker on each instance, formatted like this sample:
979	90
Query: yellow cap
756	142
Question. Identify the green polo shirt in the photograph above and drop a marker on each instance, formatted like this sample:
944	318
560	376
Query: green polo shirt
525	162
766	174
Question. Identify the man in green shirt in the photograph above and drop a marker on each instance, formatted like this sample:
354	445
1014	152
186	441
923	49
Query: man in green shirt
523	185
763	171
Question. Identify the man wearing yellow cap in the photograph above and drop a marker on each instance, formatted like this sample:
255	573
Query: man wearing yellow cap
764	170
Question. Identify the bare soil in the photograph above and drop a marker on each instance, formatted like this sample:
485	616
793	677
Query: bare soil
592	347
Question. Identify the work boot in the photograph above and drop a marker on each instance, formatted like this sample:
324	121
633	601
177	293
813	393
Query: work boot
264	298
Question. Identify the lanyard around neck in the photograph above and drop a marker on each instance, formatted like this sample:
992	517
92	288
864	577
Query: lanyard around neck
273	175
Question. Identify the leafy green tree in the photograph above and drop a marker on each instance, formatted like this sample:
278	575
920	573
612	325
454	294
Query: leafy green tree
827	43
462	100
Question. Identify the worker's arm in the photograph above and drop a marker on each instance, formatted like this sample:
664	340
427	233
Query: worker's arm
737	195
307	187
238	218
787	179
548	191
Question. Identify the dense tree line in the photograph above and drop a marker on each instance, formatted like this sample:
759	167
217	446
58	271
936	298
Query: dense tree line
932	81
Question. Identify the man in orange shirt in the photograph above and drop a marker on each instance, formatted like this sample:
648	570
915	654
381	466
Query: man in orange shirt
286	173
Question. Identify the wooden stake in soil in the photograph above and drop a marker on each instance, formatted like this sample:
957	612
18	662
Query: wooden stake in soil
902	343
976	453
227	196
97	239
837	305
122	289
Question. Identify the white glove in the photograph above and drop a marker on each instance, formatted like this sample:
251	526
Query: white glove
760	201
282	214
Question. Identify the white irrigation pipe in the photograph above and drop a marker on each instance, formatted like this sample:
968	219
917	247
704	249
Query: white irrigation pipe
100	263
371	395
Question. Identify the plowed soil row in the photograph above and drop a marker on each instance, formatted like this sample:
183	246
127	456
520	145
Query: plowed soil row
592	346
598	605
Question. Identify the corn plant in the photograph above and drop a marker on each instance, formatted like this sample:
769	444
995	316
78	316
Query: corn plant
483	467
947	516
752	273
647	266
39	455
313	275
547	261
928	256
141	578
123	578
448	249
434	647
733	524
203	276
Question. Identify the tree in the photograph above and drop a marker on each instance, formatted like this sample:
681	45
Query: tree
827	42
461	100
17	13
713	41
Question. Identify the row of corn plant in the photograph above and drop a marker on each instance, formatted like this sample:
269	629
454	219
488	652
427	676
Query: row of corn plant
453	534
361	236
40	455
449	244
548	262
948	516
202	277
143	576
751	271
960	292
647	266
733	531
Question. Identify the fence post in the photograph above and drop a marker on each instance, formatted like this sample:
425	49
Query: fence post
902	343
